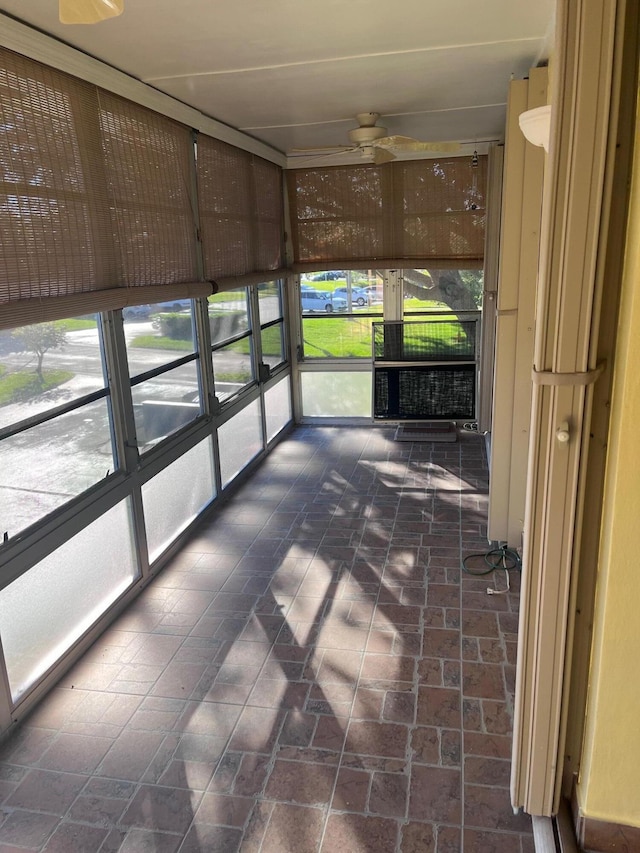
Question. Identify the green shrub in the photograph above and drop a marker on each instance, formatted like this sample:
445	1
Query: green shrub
173	325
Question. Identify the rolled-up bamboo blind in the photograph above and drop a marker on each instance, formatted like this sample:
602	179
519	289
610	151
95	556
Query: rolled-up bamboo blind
55	220
240	205
147	164
93	193
97	206
413	210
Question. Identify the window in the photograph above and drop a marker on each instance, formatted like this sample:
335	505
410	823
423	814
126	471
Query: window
272	338
240	440
431	289
231	342
277	407
163	367
338	308
336	394
101	202
45	610
174	497
55	418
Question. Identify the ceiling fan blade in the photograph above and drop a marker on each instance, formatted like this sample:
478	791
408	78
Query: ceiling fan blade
311	156
88	11
321	148
408	143
441	147
381	155
393	141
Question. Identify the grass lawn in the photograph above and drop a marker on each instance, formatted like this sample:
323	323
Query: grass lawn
350	336
327	336
15	387
337	337
77	324
159	342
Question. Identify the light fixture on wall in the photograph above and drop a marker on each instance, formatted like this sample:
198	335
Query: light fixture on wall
88	11
536	124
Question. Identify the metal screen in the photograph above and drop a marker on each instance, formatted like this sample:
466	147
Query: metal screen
425	371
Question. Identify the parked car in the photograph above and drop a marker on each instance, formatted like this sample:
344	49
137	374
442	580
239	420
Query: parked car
174	305
329	275
374	291
321	300
359	295
136	312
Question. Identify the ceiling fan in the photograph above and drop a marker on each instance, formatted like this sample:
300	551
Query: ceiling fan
374	144
88	11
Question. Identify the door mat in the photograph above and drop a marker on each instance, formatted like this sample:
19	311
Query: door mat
444	431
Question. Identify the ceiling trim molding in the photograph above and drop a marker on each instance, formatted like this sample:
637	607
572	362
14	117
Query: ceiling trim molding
29	42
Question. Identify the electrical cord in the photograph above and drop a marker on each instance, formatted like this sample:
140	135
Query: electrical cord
497	558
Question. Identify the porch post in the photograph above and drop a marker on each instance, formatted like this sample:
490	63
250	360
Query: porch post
575	210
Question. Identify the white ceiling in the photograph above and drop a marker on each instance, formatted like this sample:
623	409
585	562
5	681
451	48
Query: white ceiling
293	73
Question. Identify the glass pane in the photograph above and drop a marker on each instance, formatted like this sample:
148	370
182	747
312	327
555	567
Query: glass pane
316	301
232	368
158	334
270	296
277	407
174	497
48	364
166	403
239	439
47	609
228	314
273	345
43	467
336	394
442	290
338	336
354	291
370	281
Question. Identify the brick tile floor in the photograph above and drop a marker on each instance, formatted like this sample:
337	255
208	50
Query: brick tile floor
312	673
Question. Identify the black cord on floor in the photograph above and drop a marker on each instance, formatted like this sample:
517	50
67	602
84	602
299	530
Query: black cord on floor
497	558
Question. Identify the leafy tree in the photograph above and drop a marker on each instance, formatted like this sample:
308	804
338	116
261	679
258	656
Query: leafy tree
474	282
39	339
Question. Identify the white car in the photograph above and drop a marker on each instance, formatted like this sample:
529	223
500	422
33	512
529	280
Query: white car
321	300
174	305
136	312
359	295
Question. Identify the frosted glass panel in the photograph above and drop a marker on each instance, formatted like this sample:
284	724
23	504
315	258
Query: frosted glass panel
277	406
175	497
239	439
47	609
336	395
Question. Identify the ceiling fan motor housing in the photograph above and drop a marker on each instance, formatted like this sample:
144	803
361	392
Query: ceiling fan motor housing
366	135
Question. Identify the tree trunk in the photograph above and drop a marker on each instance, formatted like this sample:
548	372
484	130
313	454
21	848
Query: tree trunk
440	285
39	374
